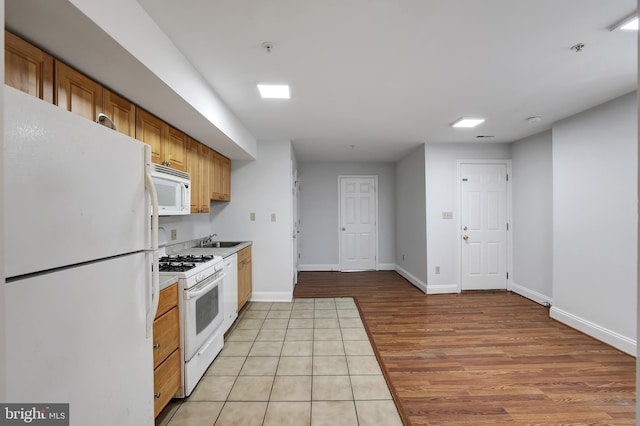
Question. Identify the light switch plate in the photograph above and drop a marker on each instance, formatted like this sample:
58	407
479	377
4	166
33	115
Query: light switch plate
447	215
174	234
252	217
273	217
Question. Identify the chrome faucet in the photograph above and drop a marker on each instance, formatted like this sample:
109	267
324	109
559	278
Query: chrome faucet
207	240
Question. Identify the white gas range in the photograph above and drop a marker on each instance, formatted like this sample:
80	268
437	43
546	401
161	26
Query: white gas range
200	278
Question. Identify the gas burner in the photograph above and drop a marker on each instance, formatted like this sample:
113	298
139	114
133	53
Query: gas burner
197	258
176	266
192	258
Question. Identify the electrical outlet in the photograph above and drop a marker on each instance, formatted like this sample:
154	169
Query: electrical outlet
437	269
174	234
273	217
252	217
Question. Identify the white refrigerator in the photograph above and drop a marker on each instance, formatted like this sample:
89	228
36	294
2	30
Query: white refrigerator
79	248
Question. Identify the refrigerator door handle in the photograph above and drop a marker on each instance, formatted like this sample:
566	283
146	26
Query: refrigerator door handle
155	272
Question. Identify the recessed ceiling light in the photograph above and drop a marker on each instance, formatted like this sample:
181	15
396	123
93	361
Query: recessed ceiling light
467	122
630	23
274	91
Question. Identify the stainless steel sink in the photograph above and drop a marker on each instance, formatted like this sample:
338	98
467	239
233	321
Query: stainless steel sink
221	244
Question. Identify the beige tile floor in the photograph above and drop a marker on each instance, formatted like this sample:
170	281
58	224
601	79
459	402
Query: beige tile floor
307	362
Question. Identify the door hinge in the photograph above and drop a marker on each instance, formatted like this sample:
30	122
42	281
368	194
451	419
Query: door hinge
507	177
507	275
507	226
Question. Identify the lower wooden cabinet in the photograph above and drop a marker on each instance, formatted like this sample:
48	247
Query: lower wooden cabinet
244	276
166	348
166	381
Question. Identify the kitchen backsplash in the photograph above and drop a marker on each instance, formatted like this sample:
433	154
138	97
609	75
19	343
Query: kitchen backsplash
183	229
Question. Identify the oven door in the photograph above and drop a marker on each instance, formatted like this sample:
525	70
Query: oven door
203	313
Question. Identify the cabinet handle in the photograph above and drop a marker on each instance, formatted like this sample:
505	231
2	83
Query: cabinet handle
156	346
157	395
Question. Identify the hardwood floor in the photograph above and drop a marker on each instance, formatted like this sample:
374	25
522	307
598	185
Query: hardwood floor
483	357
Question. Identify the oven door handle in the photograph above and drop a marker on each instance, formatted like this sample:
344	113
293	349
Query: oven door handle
203	288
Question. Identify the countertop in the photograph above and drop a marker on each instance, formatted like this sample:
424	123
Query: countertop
223	252
167	281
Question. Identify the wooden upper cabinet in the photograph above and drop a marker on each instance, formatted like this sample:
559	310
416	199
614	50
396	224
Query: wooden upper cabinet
76	92
175	149
149	130
220	177
206	155
27	68
199	183
168	145
121	111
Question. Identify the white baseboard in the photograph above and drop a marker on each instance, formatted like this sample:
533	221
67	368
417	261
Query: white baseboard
422	286
442	288
596	331
386	267
530	294
332	267
271	296
311	267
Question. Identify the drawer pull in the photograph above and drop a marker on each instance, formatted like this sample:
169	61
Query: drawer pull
157	395
156	346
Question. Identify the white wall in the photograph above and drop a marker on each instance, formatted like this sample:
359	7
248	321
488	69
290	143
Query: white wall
187	227
264	188
411	218
532	217
319	217
595	205
442	189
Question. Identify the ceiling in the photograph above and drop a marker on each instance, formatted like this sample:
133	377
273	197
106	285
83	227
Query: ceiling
370	79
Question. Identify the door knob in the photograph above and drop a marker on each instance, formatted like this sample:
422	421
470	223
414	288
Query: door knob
465	237
344	229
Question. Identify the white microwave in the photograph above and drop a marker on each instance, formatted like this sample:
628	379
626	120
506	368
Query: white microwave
173	188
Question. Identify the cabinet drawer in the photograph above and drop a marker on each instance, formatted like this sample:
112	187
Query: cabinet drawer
166	335
166	381
244	254
168	299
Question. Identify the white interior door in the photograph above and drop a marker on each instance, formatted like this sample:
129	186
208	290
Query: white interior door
358	224
483	226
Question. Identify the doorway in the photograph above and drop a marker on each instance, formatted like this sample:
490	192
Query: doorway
484	224
358	223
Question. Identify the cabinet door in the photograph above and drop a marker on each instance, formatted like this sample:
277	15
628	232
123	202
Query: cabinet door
166	336
149	130
226	179
27	68
175	149
205	174
166	381
77	92
216	176
193	168
121	112
244	277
